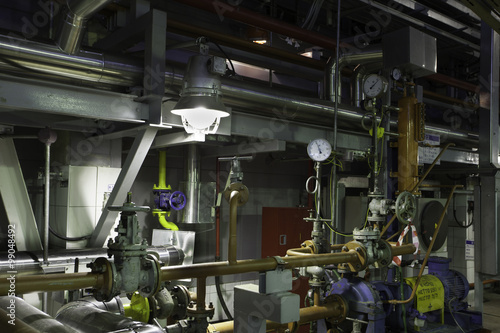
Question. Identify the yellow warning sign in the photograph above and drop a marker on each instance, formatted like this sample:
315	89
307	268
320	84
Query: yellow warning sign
430	293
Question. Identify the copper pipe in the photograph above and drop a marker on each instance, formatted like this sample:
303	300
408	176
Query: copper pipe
428	253
233	216
490	281
401	249
255	19
317	296
336	247
51	282
307	315
451	81
201	286
241	44
301	251
448	99
254	265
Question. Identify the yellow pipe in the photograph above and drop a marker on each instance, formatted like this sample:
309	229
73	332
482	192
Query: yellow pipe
162	172
163	221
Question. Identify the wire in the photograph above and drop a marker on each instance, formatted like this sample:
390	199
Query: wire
225	55
221	298
456	220
453	316
69	239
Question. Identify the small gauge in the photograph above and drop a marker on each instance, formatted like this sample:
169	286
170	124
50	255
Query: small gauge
374	85
396	74
319	150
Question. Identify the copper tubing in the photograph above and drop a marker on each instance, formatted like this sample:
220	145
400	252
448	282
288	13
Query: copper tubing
305	251
201	286
317	296
451	81
50	282
307	315
490	281
301	251
428	253
233	215
254	265
401	249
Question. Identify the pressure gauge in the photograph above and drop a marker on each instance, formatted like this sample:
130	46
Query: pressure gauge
396	74
319	150
374	85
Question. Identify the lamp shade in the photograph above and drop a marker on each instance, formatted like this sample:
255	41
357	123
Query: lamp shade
200	112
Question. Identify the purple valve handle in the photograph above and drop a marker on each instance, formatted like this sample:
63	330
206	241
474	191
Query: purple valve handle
177	200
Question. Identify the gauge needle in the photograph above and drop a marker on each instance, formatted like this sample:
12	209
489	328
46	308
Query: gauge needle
373	85
319	149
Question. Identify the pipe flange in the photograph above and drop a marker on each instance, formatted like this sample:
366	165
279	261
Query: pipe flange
309	243
152	266
339	306
240	188
109	288
384	254
193	312
182	298
362	264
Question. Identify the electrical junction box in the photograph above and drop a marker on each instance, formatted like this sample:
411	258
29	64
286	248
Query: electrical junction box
410	50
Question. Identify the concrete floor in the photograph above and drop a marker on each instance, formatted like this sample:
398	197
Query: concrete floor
491	311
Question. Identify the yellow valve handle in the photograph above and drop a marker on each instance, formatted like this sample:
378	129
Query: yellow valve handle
138	309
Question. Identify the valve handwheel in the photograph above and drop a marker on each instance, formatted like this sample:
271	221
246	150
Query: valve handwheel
177	200
406	207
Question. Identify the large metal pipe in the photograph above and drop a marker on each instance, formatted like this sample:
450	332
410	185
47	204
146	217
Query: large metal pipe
88	317
54	282
23	317
233	235
108	69
28	263
72	27
193	163
370	55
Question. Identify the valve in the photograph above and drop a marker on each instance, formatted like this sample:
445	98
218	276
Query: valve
406	207
177	200
128	206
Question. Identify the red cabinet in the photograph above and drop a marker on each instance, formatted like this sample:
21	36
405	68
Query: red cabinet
283	228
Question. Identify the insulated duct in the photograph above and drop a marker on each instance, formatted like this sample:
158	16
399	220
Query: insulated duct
88	317
28	263
29	319
72	27
40	59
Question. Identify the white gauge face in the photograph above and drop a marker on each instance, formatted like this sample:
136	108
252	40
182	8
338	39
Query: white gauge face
374	85
396	74
319	150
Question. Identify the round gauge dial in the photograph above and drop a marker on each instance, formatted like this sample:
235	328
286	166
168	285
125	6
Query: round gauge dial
374	85
396	74
319	150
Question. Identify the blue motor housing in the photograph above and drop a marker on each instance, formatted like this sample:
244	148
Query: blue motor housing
456	286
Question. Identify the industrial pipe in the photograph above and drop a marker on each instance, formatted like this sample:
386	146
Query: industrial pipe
108	69
358	57
25	318
28	263
72	27
55	282
233	215
307	315
88	317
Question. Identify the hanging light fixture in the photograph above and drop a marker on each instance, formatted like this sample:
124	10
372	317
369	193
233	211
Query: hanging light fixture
200	105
